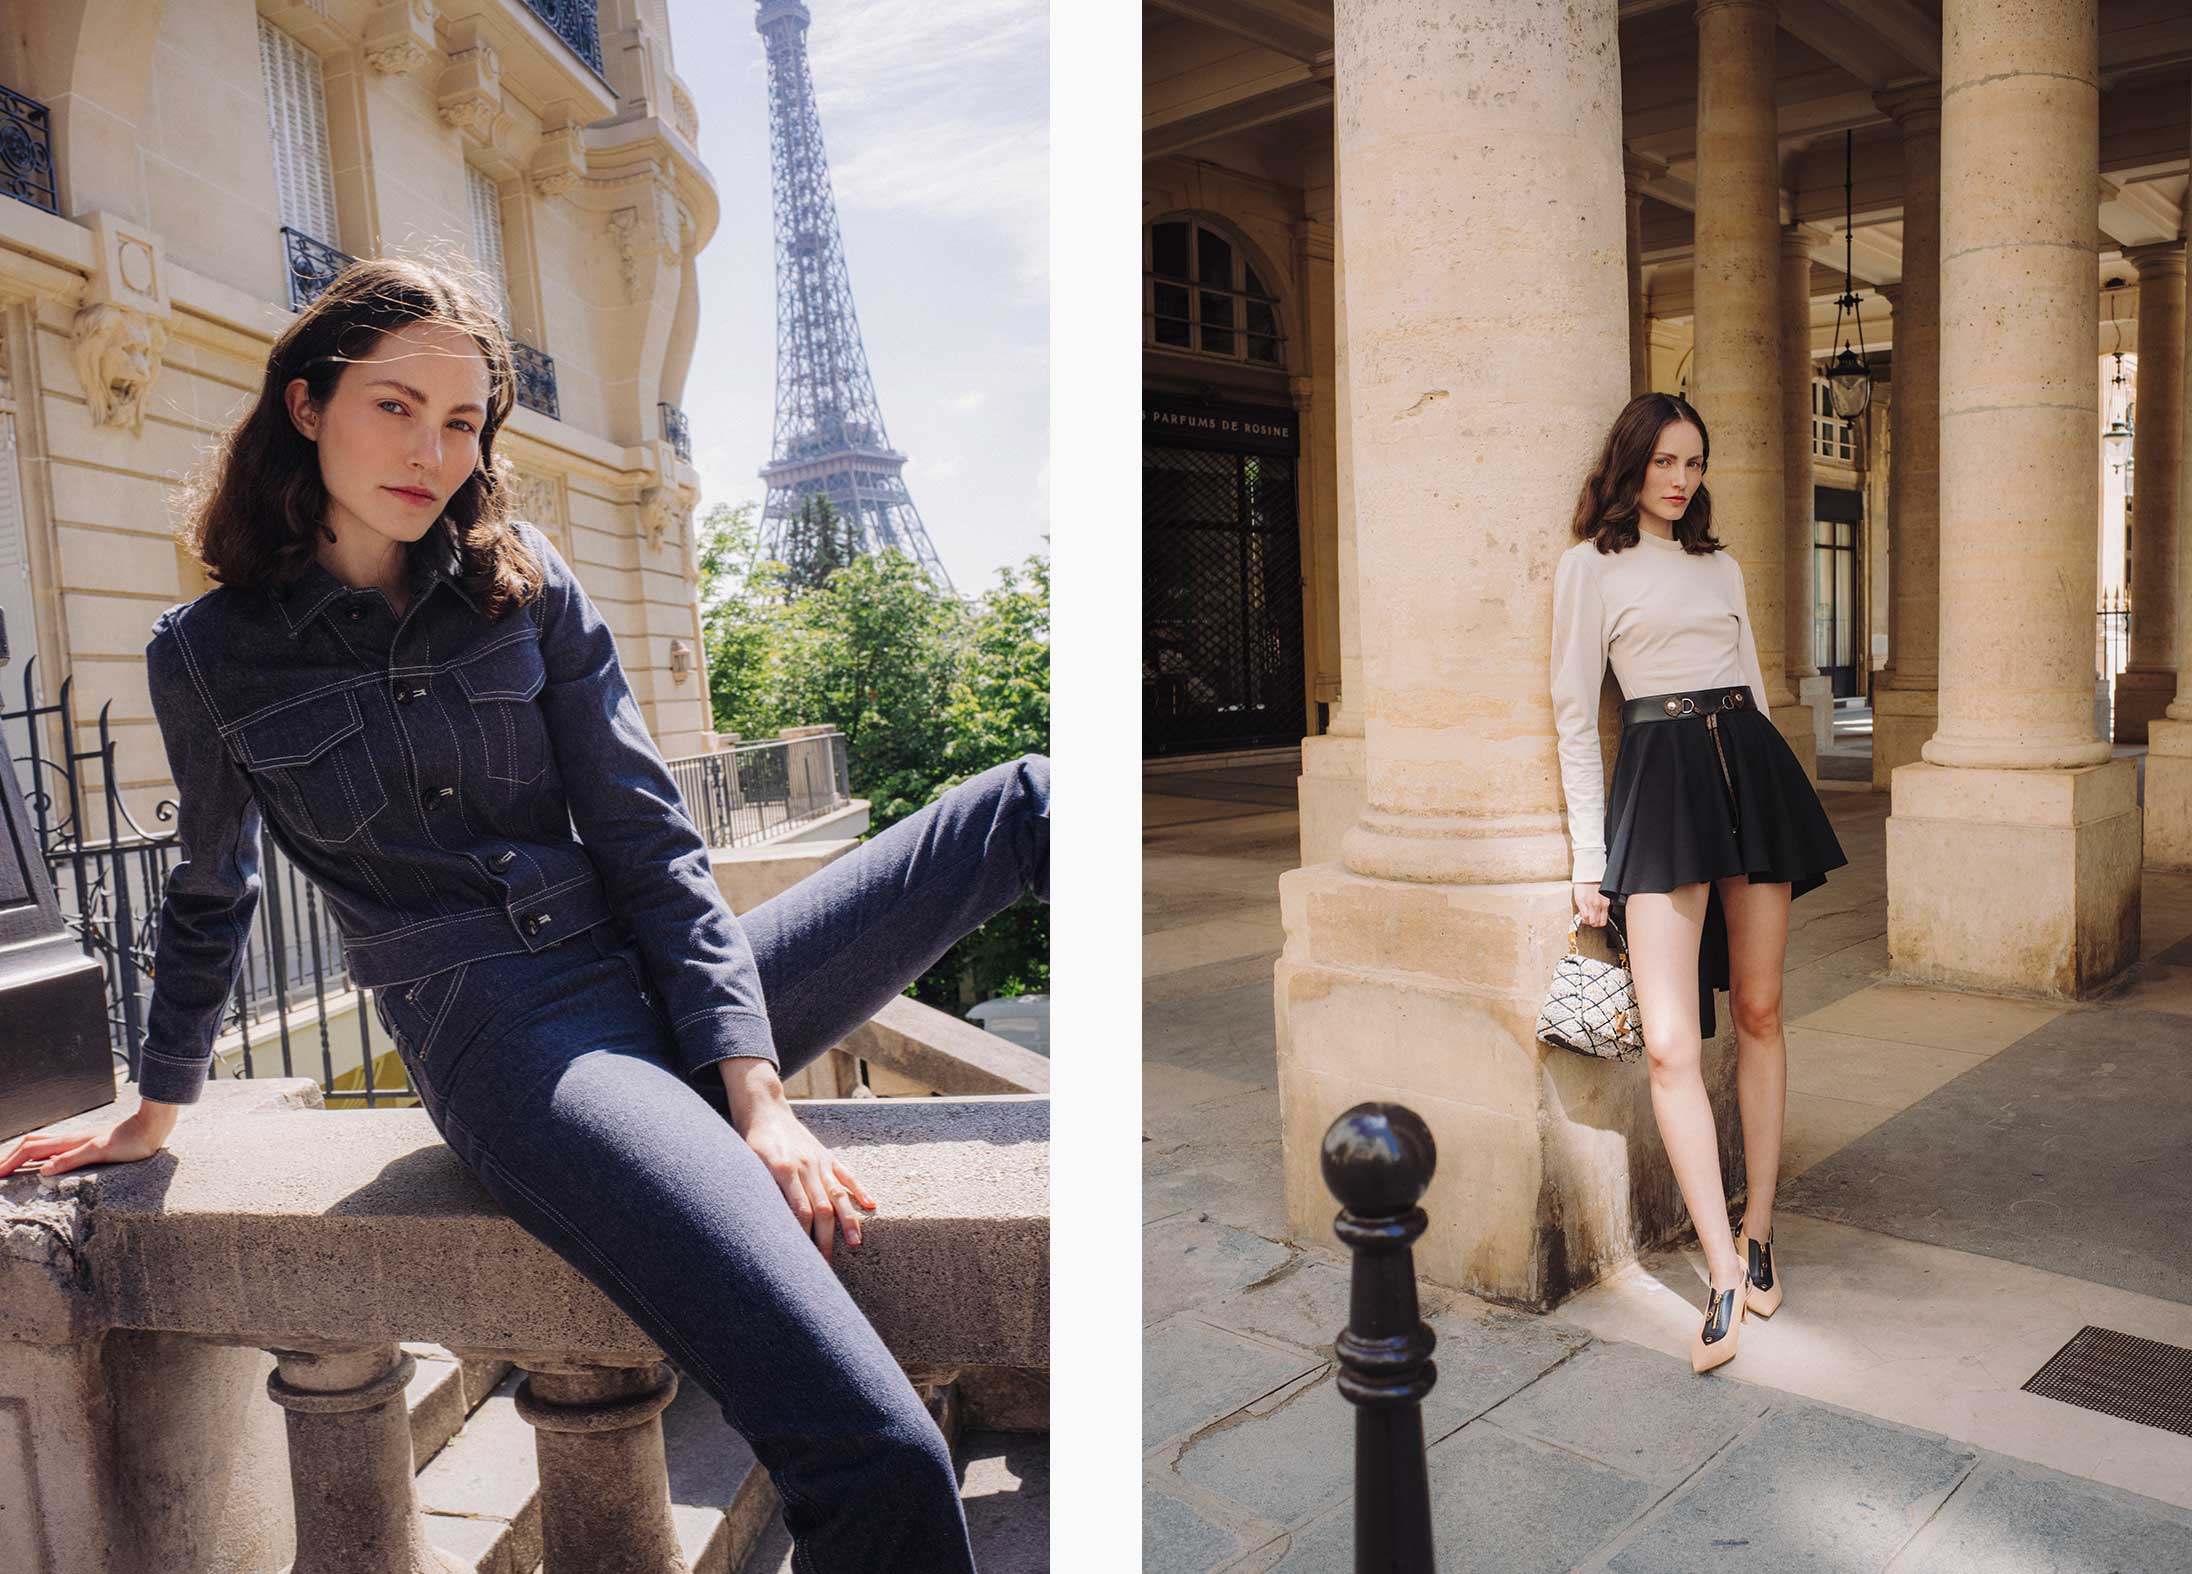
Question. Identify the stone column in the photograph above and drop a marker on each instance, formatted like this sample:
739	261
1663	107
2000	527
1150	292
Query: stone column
1736	384
350	1466
1906	701
604	1493
1634	172
2013	846
1812	688
2169	736
2149	682
1330	788
1414	967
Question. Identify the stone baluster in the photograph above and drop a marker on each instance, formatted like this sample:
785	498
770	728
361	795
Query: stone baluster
350	1465
604	1494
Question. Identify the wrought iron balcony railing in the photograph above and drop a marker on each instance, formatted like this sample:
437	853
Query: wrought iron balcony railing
26	152
312	265
675	429
536	379
575	23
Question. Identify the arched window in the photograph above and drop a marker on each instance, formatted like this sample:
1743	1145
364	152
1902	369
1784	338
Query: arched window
1202	294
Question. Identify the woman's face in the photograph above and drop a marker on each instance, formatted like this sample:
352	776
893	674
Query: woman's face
400	433
1673	474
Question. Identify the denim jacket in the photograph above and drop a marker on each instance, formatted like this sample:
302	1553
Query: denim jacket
427	775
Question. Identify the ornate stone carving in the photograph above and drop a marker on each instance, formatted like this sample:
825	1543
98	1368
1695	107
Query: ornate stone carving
468	95
117	350
398	59
538	499
682	113
662	508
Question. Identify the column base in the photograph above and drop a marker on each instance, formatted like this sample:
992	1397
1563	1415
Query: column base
1550	1168
1331	794
2169	795
1817	692
1798	725
1902	720
2142	694
2015	882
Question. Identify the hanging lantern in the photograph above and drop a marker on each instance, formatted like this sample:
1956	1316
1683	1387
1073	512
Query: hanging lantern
1849	376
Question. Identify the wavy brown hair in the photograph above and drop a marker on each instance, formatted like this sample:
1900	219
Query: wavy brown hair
1606	509
258	509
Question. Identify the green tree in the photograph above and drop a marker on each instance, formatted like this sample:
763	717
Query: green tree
818	542
927	688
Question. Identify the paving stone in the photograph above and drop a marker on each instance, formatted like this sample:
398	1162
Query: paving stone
2019	1519
1190	1263
1177	1540
1500	1504
1298	1458
1486	1353
1809	1491
434	1399
1635	1409
1239	1187
720	1497
1193	1374
1305	1305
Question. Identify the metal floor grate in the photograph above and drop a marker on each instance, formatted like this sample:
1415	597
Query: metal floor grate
2123	1375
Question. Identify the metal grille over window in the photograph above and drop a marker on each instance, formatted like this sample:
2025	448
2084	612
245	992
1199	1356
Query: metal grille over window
487	239
1222	642
678	434
312	264
1204	295
574	22
536	379
26	152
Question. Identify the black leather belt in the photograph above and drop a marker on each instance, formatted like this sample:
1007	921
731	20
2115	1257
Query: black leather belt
1698	702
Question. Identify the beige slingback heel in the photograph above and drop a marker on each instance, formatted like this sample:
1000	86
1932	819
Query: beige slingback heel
1761	1284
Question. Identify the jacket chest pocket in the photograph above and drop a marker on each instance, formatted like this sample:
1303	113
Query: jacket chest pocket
502	687
315	756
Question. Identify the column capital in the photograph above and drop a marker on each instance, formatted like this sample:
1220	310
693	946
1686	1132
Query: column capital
1914	106
1303	392
1802	238
2158	260
1891	293
1706	7
1317	239
1639	168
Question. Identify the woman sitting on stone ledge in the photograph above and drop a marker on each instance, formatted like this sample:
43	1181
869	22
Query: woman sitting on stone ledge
414	691
1710	830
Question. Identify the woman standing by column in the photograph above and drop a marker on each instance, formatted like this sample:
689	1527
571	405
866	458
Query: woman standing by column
1710	830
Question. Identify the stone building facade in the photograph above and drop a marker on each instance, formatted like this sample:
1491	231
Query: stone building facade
1481	240
176	167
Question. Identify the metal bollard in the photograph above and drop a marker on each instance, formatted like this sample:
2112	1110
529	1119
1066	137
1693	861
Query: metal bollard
1377	1161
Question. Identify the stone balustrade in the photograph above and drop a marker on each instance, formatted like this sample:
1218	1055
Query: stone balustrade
135	1299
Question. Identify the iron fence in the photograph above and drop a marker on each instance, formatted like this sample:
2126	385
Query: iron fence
536	379
26	152
312	266
755	791
575	22
2112	633
295	1010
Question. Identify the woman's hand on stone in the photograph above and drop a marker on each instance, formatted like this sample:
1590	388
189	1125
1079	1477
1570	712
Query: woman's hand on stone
140	1136
1595	907
824	1195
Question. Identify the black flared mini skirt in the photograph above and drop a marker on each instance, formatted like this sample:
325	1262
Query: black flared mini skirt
1692	802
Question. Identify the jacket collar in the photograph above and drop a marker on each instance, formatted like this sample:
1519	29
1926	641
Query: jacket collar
433	559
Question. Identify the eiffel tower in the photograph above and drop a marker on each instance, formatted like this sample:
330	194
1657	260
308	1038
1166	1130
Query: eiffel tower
829	429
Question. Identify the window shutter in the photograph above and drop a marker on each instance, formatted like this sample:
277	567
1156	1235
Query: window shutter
296	114
487	238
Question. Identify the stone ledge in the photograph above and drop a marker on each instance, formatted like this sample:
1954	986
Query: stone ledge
939	1050
300	1229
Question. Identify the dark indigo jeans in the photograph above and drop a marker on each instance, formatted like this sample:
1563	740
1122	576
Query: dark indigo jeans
552	1076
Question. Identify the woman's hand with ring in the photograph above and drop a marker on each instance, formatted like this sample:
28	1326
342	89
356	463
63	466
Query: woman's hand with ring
824	1196
1595	907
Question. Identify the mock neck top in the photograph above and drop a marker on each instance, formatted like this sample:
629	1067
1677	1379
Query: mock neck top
1670	621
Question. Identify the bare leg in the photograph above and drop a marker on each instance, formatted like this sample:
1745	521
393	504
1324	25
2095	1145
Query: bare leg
1758	942
1664	930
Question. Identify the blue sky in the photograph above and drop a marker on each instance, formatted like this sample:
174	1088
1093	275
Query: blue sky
936	117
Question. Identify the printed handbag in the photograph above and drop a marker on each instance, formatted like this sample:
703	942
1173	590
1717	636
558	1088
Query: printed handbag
1590	1006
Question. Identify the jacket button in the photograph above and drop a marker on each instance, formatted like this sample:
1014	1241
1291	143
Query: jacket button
537	922
502	859
403	696
355	613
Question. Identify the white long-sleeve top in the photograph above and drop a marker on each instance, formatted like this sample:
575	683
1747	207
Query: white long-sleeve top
1670	621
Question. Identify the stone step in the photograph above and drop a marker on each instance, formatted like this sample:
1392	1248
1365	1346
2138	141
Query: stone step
443	1392
479	1494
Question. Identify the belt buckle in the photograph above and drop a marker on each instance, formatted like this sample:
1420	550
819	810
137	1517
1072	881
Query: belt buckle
1674	707
1685	706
